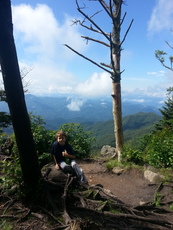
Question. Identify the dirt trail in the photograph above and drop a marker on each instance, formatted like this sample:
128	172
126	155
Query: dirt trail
130	186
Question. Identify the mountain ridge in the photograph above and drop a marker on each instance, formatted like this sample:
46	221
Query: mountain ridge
58	110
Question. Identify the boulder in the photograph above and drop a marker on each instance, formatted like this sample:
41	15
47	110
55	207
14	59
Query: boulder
153	177
117	170
49	172
108	151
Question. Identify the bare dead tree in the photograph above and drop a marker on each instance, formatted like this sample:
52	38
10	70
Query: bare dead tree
113	42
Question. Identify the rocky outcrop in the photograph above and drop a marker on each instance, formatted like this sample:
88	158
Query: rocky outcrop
108	151
49	172
152	174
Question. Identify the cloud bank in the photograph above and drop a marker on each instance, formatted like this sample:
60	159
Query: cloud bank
39	40
161	17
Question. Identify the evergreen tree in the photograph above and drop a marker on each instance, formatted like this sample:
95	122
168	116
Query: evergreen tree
167	112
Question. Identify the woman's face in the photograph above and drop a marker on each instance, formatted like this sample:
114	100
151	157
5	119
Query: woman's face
61	139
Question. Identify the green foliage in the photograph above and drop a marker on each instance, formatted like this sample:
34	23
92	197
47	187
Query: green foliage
44	159
130	154
134	127
155	148
167	112
159	150
3	138
158	199
111	164
5	120
6	225
158	145
160	55
12	171
81	141
43	138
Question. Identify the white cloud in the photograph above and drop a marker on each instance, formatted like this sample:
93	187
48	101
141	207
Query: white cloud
134	100
47	80
162	16
75	104
157	91
42	35
39	39
95	86
160	73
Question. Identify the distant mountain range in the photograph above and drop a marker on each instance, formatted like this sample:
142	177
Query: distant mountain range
94	116
57	111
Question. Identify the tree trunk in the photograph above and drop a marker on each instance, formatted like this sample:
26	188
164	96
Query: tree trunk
116	76
15	98
117	117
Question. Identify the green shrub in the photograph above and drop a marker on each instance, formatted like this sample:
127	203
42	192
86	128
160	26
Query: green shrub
111	164
129	154
159	151
12	173
44	159
43	138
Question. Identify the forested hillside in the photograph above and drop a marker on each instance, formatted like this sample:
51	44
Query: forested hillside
134	126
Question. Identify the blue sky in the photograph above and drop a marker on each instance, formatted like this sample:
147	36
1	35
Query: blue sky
42	27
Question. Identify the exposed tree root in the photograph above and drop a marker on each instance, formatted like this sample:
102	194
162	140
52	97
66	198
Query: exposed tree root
71	206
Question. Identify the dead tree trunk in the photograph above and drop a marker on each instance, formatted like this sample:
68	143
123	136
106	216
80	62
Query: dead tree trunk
116	75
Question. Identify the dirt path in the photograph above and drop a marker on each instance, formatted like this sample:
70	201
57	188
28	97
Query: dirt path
130	186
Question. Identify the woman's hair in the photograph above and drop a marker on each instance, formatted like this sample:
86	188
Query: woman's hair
62	133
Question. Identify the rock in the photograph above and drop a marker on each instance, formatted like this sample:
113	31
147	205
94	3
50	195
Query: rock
153	176
117	170
51	173
108	151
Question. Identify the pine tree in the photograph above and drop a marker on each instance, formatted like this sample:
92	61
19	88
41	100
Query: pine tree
167	112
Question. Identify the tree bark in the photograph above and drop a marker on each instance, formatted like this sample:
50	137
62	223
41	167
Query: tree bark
116	75
15	97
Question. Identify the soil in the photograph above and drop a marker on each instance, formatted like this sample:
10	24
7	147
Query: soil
129	186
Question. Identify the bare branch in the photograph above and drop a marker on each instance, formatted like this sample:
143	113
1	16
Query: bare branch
127	32
169	44
123	18
111	49
88	28
89	19
110	5
94	40
108	66
88	59
105	7
96	13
